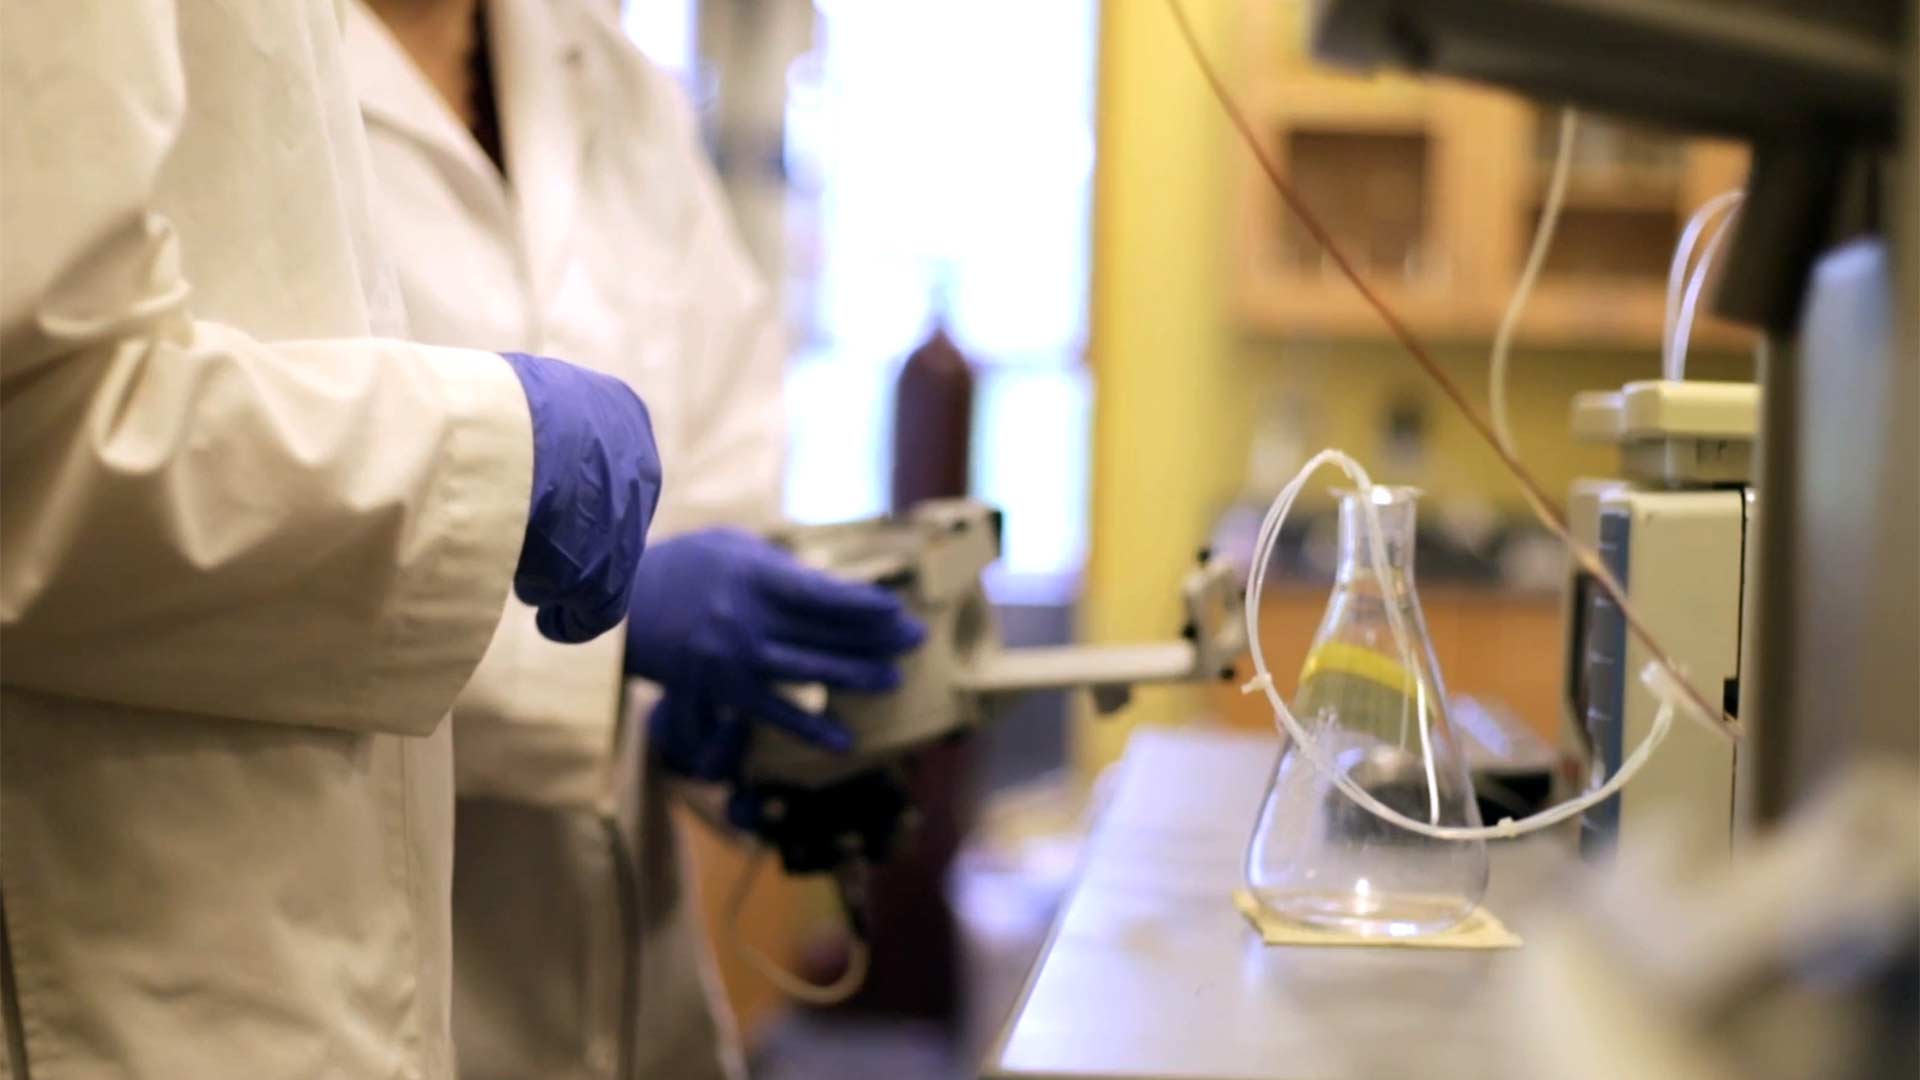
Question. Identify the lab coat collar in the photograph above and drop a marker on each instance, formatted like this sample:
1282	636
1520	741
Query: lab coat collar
394	93
546	93
544	84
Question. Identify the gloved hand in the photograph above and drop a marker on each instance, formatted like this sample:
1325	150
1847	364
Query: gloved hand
719	617
596	480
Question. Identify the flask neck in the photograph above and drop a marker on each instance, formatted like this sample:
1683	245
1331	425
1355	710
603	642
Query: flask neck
1394	511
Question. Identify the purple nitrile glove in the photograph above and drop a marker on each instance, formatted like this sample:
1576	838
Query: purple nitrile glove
596	480
720	617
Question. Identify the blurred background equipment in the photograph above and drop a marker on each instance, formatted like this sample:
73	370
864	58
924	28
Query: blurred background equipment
910	922
1808	971
1673	968
1491	579
1821	93
1155	350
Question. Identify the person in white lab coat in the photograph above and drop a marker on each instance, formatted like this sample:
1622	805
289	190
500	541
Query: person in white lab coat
546	186
251	552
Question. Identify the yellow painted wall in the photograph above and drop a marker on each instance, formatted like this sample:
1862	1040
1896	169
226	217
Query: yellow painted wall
1169	426
1341	391
1178	387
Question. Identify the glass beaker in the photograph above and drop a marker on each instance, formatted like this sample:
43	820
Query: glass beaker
1380	718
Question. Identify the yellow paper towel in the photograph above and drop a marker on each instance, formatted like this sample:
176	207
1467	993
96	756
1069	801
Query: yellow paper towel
1480	930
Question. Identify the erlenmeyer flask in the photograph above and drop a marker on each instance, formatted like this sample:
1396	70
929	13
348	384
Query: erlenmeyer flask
1317	857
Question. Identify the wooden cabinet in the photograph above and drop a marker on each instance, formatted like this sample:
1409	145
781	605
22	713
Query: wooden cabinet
1497	646
1433	190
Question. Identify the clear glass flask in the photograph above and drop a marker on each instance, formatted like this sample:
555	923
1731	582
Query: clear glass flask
1317	857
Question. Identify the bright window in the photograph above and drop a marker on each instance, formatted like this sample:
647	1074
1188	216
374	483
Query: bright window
939	155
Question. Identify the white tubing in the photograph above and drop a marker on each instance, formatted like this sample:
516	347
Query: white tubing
1657	678
807	993
1683	327
1529	273
1677	274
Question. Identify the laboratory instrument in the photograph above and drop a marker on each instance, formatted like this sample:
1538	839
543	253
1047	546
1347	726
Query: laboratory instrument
1673	527
839	811
826	811
721	618
1379	713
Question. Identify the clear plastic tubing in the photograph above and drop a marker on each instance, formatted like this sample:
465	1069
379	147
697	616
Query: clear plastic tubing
1529	274
1661	681
1673	361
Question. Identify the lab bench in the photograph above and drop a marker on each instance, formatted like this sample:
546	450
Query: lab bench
1151	974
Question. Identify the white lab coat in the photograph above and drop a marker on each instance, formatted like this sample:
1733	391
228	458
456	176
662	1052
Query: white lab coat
577	952
251	553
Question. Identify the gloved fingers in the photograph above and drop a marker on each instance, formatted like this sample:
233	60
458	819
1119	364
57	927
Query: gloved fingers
696	737
569	625
670	730
547	573
781	662
724	746
557	623
808	592
820	729
727	537
596	483
569	621
888	635
579	603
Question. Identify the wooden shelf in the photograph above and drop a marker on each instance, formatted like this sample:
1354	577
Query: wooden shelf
1650	189
1331	307
1612	312
1341	104
1496	646
1471	205
1559	314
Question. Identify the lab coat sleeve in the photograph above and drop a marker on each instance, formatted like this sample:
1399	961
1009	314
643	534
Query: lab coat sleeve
318	532
536	726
